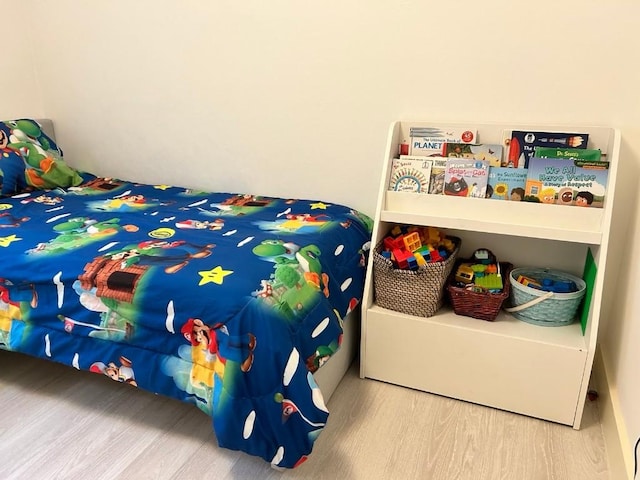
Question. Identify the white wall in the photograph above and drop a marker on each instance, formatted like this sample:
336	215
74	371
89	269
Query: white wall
21	95
294	98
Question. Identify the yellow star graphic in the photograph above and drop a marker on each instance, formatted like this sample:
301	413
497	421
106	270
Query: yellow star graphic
319	205
216	275
6	241
162	187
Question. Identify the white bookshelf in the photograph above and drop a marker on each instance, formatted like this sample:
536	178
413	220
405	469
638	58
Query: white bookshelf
508	364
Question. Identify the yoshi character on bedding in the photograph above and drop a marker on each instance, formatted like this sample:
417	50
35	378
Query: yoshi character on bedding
31	159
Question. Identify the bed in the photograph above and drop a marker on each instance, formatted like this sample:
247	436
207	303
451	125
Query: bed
230	302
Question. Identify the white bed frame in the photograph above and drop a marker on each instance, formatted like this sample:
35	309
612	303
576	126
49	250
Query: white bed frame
329	376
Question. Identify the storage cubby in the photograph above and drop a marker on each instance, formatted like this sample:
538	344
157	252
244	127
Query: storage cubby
508	364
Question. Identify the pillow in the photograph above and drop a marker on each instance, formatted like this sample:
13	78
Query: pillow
30	158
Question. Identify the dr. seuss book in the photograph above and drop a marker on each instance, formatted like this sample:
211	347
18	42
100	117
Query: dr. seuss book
429	141
490	153
520	145
506	183
565	181
590	154
466	178
410	174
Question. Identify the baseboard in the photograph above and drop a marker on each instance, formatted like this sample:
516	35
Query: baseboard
619	451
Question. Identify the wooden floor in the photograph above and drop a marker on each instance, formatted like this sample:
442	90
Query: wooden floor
59	423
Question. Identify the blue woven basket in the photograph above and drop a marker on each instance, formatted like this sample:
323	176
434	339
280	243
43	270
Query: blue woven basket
544	308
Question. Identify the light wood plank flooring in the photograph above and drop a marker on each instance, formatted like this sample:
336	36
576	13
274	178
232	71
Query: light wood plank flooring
58	423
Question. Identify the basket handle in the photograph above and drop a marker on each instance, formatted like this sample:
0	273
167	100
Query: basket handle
530	303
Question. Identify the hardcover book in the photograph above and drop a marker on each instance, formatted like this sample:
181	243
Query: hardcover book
410	174
566	181
466	177
436	183
506	183
492	153
429	141
521	145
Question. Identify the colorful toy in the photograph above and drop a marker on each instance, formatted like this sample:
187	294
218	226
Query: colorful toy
412	247
464	274
528	281
481	276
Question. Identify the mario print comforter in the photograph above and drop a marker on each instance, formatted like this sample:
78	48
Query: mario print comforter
226	301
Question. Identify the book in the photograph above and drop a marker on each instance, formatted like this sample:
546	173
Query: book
478	151
566	181
466	177
576	153
410	174
521	144
506	183
436	183
429	141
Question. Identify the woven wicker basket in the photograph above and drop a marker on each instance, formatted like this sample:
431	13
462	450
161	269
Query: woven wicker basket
416	292
544	308
480	305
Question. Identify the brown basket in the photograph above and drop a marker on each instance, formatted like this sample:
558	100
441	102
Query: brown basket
481	305
414	292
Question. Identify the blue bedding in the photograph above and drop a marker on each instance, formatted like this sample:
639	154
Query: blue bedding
229	302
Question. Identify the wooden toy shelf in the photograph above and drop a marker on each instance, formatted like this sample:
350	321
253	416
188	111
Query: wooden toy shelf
508	364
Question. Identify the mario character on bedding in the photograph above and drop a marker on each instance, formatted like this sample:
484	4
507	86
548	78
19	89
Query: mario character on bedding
226	301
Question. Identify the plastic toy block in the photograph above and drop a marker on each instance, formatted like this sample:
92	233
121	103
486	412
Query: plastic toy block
391	243
412	241
527	282
489	282
419	258
433	235
448	244
443	253
464	274
559	286
434	256
482	256
386	254
399	243
423	250
388	243
492	268
565	286
401	257
395	231
412	263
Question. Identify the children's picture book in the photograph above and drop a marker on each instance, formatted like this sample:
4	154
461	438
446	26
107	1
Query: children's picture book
436	183
506	183
590	154
410	174
429	141
466	177
566	181
492	153
520	145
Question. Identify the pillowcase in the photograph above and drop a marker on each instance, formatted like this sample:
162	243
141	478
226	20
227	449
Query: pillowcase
29	158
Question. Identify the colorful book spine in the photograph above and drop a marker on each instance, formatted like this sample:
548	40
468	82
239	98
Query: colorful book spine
589	154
